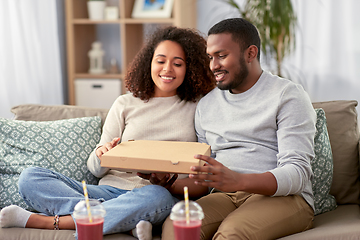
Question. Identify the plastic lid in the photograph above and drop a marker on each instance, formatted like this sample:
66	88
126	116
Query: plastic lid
178	211
96	208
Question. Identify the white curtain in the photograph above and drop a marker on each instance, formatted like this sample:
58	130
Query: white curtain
30	67
326	60
327	55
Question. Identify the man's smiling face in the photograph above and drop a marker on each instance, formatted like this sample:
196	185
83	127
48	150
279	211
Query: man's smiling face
227	62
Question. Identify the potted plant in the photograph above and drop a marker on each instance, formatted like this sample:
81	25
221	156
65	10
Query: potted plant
96	9
276	22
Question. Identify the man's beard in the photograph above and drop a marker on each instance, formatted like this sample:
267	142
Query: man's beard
238	79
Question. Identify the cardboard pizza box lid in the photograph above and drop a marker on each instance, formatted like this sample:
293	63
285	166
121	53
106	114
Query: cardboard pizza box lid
155	156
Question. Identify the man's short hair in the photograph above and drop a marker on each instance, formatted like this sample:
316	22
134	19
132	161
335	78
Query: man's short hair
241	30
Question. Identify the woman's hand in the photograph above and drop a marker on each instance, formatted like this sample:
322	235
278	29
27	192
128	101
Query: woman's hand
162	179
106	147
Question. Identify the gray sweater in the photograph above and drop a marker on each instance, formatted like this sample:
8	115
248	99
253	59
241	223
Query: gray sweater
269	128
130	118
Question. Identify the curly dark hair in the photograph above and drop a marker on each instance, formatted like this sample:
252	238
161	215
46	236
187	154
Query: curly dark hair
199	79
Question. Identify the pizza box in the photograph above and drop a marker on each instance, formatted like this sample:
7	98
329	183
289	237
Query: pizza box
147	156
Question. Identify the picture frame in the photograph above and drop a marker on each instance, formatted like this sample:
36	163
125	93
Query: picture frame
152	9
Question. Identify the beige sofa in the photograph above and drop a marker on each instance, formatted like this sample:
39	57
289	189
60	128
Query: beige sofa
342	126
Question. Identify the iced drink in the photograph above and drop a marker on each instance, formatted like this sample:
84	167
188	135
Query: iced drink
187	231
89	228
183	229
90	231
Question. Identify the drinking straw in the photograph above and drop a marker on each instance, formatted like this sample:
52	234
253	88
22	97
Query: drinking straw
186	196
87	201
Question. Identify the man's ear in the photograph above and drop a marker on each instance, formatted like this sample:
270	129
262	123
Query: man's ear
251	53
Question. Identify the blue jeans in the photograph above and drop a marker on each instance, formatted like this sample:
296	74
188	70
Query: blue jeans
53	194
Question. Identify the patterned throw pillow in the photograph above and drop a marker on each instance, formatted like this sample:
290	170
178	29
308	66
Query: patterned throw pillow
63	146
322	166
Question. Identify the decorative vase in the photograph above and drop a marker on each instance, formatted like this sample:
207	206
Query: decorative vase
96	10
96	55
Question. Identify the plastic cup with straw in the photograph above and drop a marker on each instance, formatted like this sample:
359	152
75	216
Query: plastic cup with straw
89	217
187	216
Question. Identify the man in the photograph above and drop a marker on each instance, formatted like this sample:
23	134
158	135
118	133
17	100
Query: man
261	130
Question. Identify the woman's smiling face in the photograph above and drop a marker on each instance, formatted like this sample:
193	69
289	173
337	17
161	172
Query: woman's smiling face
168	68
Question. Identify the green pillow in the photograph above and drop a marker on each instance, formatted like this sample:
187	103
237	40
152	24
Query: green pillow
63	146
322	166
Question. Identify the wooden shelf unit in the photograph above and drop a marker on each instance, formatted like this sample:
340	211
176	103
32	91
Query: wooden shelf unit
82	32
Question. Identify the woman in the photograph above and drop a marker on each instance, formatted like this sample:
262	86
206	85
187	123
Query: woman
166	79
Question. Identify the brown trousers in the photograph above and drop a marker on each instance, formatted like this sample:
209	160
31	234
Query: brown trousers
241	215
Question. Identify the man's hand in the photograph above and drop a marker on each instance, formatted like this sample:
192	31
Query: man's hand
106	147
218	176
162	179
